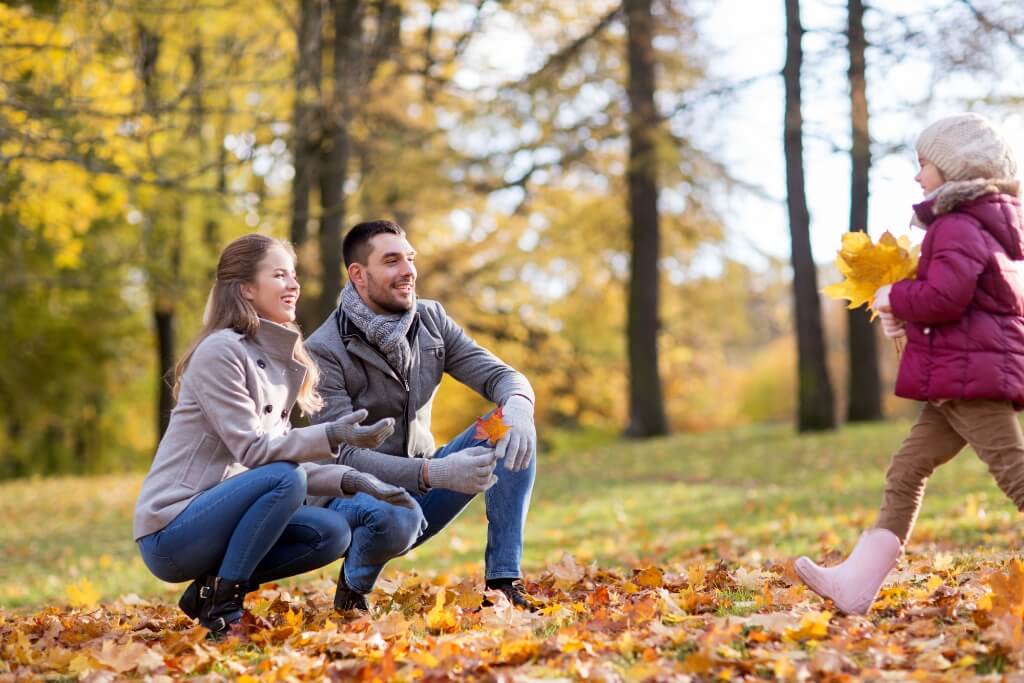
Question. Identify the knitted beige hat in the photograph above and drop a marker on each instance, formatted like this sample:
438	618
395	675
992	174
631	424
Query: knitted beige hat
967	147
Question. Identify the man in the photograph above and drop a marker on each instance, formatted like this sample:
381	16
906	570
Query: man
384	351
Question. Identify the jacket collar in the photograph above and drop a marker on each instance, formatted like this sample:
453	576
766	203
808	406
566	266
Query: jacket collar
277	340
952	194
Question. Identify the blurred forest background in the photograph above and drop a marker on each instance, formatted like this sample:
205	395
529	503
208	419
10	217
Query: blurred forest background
570	217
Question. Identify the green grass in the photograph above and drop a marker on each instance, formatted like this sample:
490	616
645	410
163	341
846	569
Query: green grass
744	495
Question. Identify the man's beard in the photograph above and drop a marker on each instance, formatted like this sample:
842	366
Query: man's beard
391	306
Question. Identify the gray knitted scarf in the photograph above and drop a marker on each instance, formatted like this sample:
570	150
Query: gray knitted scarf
386	332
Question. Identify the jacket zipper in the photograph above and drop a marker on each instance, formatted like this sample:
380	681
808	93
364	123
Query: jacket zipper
404	382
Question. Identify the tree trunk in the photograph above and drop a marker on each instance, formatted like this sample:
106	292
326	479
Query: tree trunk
334	151
306	137
816	410
865	385
646	408
162	278
164	321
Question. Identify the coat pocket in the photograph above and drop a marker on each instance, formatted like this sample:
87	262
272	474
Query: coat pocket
198	461
432	362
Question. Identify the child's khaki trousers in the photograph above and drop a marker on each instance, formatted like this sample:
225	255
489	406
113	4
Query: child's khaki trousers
942	430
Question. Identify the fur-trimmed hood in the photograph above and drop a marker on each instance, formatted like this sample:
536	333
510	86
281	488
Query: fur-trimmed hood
994	203
952	194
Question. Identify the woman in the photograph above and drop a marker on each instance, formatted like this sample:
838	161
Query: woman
223	501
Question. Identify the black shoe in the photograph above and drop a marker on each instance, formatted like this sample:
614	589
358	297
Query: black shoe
347	600
514	591
223	605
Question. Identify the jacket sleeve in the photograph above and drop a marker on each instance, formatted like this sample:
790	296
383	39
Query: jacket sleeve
397	470
324	479
478	368
216	377
958	257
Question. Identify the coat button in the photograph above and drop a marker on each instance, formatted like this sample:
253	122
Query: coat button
927	330
268	409
262	365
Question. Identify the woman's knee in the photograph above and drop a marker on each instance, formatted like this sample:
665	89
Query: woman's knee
290	479
335	539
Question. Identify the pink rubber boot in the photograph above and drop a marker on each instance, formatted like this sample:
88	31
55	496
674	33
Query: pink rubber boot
853	584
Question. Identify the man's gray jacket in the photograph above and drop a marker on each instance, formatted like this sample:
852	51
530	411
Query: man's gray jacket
355	375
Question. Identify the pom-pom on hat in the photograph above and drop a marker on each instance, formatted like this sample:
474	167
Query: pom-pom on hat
967	147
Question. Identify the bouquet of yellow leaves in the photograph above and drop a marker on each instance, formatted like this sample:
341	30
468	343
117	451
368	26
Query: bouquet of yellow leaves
867	266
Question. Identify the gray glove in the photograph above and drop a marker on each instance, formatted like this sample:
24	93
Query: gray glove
355	481
348	430
520	441
468	471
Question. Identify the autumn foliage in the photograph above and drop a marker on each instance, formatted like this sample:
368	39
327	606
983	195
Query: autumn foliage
937	619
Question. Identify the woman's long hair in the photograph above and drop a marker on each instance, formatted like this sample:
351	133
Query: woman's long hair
227	307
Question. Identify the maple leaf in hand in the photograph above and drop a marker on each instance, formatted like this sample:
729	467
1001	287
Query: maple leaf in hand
491	428
867	266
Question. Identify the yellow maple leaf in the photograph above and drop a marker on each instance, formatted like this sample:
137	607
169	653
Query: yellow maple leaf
491	428
813	626
651	577
82	594
866	266
1007	595
518	651
439	618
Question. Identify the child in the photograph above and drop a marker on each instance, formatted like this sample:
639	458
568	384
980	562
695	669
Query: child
963	317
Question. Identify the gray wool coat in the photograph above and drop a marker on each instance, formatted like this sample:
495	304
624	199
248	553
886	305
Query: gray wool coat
355	375
232	414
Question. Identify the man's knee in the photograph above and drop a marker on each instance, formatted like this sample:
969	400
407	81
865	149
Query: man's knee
397	528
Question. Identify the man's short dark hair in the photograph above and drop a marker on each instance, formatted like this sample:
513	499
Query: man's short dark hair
356	246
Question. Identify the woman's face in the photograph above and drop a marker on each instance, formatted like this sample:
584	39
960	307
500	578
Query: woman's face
274	292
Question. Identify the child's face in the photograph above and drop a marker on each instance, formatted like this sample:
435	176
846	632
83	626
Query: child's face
929	177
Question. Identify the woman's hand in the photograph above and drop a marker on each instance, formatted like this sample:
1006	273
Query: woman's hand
348	430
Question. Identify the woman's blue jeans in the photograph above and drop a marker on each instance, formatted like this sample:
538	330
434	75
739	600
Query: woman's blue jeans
252	527
381	531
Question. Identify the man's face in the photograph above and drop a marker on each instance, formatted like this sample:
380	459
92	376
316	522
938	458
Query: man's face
387	283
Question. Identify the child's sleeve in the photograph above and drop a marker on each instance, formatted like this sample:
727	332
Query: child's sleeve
959	255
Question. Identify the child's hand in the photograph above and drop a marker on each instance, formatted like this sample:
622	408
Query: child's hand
881	302
891	326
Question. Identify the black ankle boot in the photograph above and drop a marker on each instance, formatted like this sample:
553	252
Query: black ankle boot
223	606
191	601
197	593
346	599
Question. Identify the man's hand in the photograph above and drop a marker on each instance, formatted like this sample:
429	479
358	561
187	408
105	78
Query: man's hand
468	471
519	444
354	481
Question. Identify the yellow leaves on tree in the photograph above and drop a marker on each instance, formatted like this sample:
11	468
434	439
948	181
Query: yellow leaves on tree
866	266
491	428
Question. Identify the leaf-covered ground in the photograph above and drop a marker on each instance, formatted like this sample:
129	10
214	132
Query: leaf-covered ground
663	560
